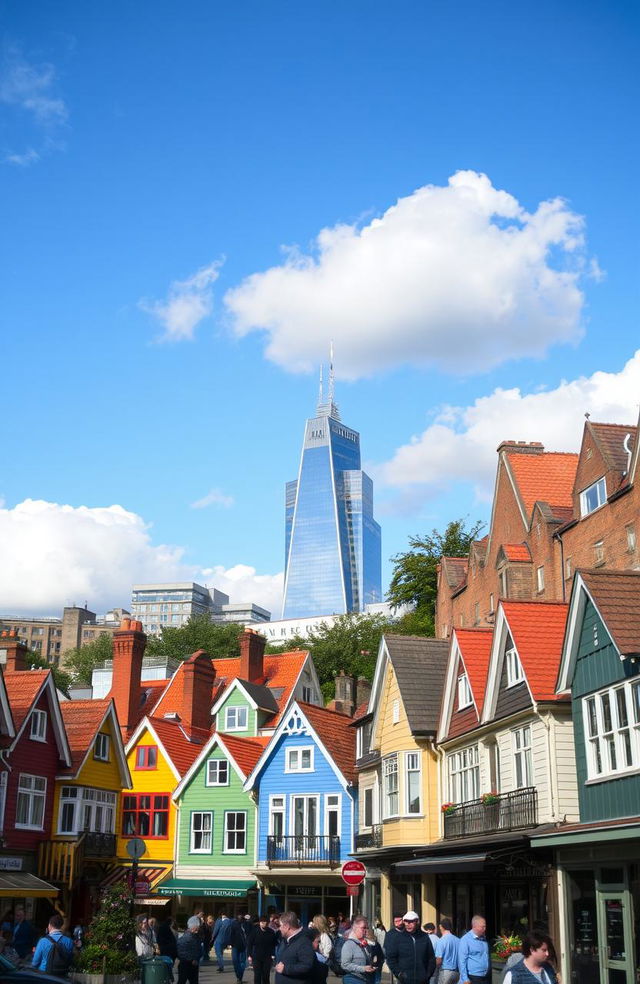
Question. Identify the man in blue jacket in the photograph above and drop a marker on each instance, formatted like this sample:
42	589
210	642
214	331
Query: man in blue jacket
473	954
57	962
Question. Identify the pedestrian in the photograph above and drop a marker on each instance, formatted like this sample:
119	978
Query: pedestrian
238	939
320	970
22	935
189	948
167	945
220	927
54	952
398	927
344	925
447	953
325	943
377	954
295	956
78	936
537	950
430	930
207	937
261	948
144	941
380	932
409	954
332	927
473	954
356	958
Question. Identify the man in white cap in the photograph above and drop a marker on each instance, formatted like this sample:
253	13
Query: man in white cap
410	955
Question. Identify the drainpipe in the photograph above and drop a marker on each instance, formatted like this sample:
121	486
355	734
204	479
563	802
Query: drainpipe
551	772
558	536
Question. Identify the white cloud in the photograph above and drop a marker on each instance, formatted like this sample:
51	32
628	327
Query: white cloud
460	444
29	157
188	303
460	277
213	498
243	584
31	88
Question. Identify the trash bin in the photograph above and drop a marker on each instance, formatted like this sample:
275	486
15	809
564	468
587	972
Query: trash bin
154	971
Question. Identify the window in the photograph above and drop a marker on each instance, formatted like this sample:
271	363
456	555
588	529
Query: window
464	692
32	792
395	712
217	772
201	830
540	578
612	728
492	606
504	583
464	775
476	613
101	747
299	760
332	815
146	815
593	497
631	538
307	695
412	782
236	718
390	785
598	553
39	725
276	817
367	812
235	832
523	768
146	757
86	810
514	667
568	569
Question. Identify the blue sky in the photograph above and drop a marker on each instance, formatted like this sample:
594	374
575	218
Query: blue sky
154	157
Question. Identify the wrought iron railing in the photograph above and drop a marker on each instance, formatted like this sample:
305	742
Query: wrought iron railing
373	838
99	845
510	811
303	849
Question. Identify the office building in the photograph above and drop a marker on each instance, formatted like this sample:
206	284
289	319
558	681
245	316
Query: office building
160	606
333	552
52	636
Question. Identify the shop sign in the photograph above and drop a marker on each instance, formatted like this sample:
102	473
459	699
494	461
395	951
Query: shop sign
353	890
305	890
11	864
142	887
225	893
353	872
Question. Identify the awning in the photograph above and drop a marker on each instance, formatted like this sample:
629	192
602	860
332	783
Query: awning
20	884
145	873
455	862
210	887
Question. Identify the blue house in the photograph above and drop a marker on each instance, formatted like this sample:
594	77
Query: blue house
305	783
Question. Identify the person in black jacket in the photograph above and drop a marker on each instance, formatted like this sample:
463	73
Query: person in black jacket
189	947
295	956
410	955
261	947
238	940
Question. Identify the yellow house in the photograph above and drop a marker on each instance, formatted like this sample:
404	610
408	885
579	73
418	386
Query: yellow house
399	805
86	805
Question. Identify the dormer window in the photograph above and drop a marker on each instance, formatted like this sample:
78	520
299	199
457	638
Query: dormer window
38	726
514	667
593	497
299	759
146	757
217	772
101	747
464	692
236	719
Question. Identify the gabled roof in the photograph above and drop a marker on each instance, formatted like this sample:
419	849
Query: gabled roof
24	689
181	747
546	477
516	552
420	665
243	753
455	570
610	439
475	650
333	730
82	721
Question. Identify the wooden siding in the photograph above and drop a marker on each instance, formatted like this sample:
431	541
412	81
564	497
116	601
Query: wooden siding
564	766
237	699
198	796
461	720
597	666
158	780
510	699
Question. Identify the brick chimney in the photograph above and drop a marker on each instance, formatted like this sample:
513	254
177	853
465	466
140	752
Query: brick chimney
15	651
521	447
252	656
198	676
345	699
129	643
363	691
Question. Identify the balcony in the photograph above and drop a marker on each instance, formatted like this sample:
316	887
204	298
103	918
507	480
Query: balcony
99	845
303	850
513	811
61	861
373	838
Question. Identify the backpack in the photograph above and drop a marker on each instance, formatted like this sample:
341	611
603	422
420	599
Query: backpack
335	957
59	960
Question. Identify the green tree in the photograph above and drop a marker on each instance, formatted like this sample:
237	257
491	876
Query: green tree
109	939
61	679
415	576
81	661
218	639
350	644
295	642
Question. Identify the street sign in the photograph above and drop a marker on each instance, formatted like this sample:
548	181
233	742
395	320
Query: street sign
353	890
136	848
353	872
142	888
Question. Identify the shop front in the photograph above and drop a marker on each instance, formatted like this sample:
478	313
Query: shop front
189	895
326	896
20	889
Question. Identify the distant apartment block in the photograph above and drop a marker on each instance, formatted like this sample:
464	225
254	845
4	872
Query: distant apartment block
51	637
172	604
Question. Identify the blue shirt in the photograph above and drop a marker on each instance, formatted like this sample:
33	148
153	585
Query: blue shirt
447	948
473	956
41	953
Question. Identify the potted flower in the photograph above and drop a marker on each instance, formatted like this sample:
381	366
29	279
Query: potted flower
504	946
448	807
489	799
107	956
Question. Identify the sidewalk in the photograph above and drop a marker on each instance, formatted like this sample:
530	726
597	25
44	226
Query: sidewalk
209	974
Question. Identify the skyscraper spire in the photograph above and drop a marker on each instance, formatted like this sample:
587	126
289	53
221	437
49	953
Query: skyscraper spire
332	378
328	408
321	390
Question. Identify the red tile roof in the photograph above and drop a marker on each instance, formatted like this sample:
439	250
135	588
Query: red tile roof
546	477
22	689
246	751
82	718
455	570
537	629
517	552
335	734
181	749
475	647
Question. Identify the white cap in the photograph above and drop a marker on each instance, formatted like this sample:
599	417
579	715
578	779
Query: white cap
410	915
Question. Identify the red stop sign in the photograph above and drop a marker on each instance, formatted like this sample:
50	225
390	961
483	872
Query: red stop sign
353	872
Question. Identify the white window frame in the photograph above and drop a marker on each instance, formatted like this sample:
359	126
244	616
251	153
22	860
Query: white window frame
515	673
540	577
278	808
332	808
202	830
38	731
612	738
390	789
307	694
227	832
101	747
359	736
522	757
395	712
26	787
413	766
218	763
568	569
69	795
293	758
465	697
292	813
237	711
598	553
464	774
601	494
371	791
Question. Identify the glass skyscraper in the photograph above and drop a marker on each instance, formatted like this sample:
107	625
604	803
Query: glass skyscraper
333	552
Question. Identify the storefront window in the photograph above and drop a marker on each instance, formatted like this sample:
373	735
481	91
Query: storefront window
584	944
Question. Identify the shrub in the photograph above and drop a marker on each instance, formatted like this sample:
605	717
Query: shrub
108	939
